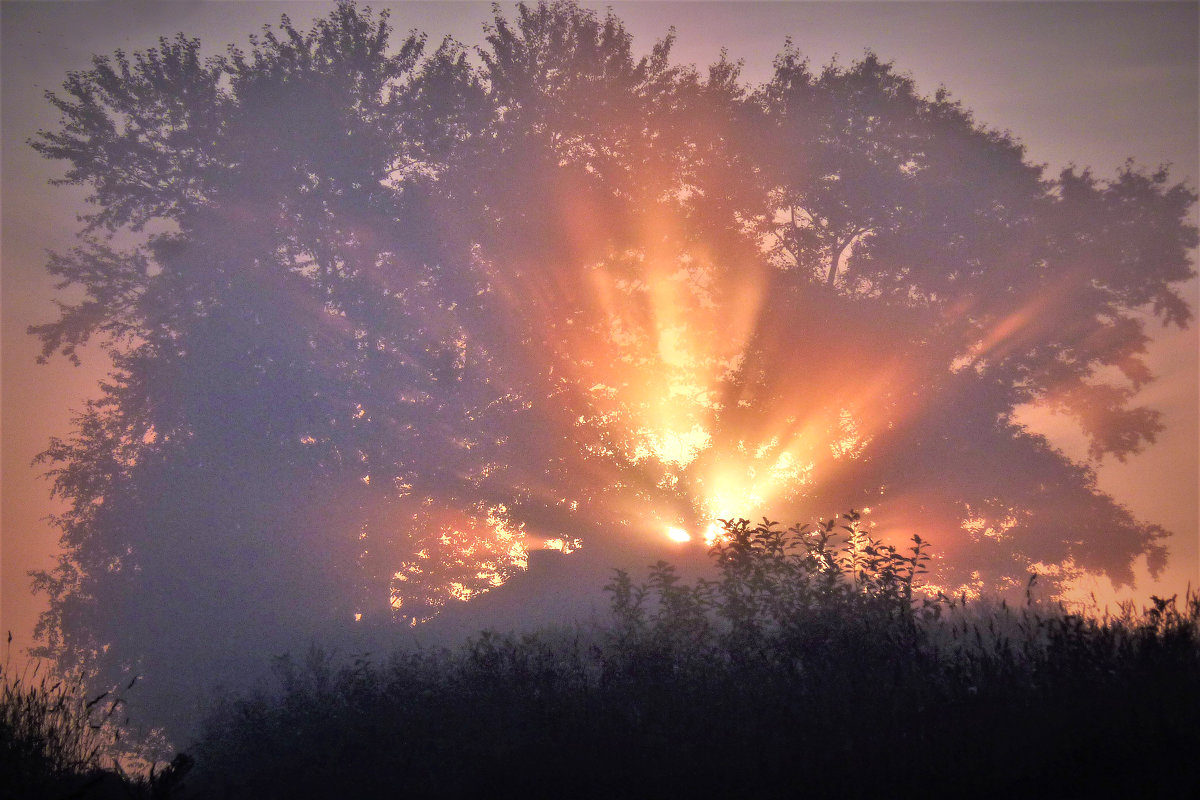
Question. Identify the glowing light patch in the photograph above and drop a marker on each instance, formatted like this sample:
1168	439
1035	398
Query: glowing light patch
678	535
562	544
678	448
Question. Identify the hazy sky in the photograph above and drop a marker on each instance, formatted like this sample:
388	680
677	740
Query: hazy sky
1088	83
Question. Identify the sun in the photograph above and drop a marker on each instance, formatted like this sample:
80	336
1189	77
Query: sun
678	534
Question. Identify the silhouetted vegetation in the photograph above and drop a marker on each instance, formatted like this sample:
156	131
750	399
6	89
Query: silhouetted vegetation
378	312
813	663
56	742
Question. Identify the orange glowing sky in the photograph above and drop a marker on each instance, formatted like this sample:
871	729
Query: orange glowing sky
1073	81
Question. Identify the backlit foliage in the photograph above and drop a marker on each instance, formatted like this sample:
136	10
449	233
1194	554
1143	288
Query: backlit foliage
814	664
384	317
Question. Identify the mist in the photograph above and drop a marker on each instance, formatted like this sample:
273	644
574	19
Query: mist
405	338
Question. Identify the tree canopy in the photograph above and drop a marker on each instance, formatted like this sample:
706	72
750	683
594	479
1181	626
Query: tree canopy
384	316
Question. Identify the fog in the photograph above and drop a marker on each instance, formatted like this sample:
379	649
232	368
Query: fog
403	339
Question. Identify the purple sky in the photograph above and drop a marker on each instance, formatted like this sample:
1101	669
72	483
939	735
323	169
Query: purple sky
1088	83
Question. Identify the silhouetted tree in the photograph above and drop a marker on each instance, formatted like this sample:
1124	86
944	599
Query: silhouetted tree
374	314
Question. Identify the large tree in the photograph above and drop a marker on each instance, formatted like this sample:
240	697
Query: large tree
381	319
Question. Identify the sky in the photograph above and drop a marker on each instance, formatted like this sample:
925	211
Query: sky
1083	83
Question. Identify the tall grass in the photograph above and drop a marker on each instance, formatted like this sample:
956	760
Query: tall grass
51	734
813	663
56	741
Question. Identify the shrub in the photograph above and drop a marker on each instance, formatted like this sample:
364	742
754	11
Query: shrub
812	662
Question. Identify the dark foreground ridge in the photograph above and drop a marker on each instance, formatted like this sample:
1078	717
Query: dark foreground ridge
812	664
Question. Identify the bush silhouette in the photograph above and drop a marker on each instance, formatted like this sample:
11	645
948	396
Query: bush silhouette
812	662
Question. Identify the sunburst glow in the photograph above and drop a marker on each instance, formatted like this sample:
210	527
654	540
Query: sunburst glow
678	535
418	313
